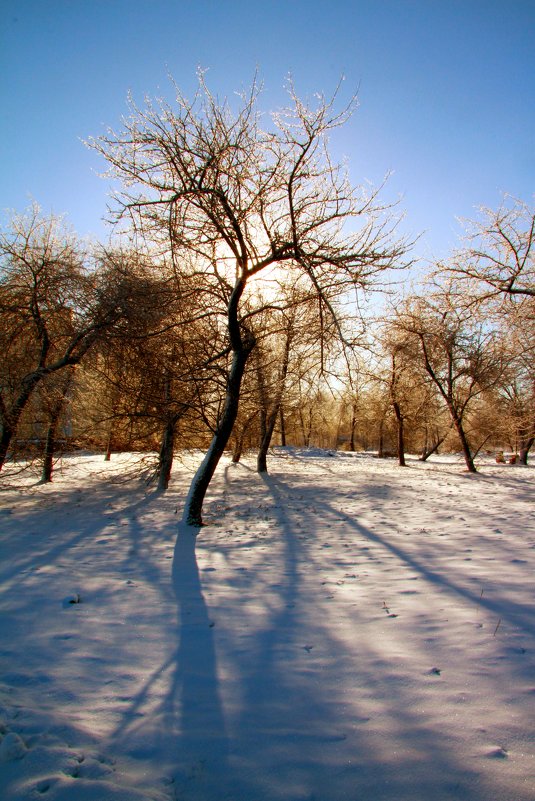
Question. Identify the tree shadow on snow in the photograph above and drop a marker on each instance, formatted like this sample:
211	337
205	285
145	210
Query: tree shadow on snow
294	729
252	697
297	712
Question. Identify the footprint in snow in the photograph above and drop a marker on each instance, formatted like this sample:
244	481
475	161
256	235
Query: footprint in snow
71	600
498	753
12	747
92	768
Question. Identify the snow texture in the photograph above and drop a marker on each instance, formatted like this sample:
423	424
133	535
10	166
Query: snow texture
340	629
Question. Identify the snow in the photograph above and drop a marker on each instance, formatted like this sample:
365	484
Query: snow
340	629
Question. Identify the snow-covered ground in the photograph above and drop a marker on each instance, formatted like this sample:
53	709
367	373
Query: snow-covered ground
346	629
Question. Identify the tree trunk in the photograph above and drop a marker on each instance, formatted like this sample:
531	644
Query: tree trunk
237	449
5	441
524	450
468	458
264	417
303	427
353	427
242	344
306	428
55	412
261	460
107	457
283	427
165	457
10	420
201	480
269	418
29	384
50	447
239	438
381	449
401	440
429	451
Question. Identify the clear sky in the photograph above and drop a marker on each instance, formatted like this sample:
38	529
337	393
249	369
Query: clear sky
446	88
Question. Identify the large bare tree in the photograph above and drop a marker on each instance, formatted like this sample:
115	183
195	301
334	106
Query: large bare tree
235	195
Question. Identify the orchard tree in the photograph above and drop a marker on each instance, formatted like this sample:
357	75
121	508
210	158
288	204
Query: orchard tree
494	275
55	303
290	344
496	272
458	354
235	197
399	395
498	259
405	382
517	387
434	422
55	395
394	375
165	363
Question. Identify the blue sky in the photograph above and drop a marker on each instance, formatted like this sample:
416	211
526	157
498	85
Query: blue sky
446	88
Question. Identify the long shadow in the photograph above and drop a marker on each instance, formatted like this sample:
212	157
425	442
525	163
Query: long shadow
291	736
185	731
48	548
175	716
194	694
514	613
263	733
517	614
294	736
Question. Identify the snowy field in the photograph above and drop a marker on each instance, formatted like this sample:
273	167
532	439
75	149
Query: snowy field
347	630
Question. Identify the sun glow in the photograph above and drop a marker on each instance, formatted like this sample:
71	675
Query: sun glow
273	282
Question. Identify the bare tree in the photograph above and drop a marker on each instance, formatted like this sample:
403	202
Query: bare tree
457	353
56	391
396	347
157	370
516	390
53	309
396	397
405	382
290	345
213	186
498	259
494	275
434	430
